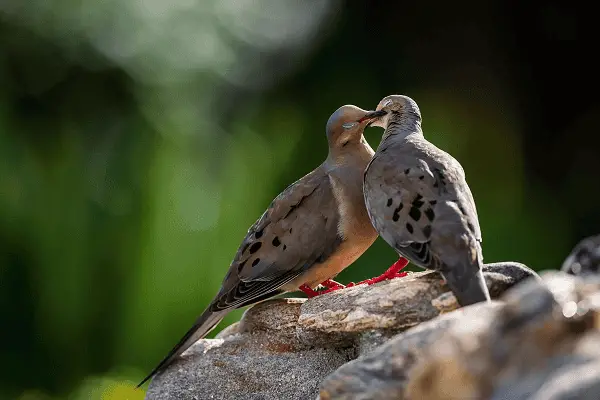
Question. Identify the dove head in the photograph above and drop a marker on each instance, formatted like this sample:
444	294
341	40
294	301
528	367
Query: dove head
346	126
396	105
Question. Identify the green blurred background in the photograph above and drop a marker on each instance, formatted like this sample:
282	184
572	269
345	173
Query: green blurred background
139	139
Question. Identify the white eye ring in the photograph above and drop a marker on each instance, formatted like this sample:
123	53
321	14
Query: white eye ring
349	125
387	103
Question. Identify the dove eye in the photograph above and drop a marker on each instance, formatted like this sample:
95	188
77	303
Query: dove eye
349	125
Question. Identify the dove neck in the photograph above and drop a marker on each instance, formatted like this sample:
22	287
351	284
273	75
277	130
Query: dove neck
403	125
355	152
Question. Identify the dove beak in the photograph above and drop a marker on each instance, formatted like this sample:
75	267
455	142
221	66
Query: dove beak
372	116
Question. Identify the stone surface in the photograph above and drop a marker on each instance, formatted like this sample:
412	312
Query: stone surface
260	359
342	317
541	342
284	348
584	259
383	373
231	330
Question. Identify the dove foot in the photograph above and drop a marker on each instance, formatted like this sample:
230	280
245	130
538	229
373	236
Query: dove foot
391	273
308	291
331	284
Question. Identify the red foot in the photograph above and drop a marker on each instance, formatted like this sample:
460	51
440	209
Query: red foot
308	291
331	284
391	273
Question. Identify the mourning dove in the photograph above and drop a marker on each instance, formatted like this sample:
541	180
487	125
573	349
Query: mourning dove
313	230
585	258
419	201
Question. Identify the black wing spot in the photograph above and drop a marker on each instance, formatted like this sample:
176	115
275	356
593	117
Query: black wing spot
427	231
241	265
389	202
418	201
254	248
409	228
290	230
441	176
284	247
422	177
258	234
276	241
415	213
433	202
430	214
462	210
255	262
471	227
407	171
396	215
345	143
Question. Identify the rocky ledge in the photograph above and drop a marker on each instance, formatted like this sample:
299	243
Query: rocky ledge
540	342
294	348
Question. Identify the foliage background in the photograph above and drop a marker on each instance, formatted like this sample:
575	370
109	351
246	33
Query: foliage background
139	139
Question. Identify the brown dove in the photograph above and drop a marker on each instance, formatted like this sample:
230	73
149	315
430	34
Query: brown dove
584	260
313	230
419	201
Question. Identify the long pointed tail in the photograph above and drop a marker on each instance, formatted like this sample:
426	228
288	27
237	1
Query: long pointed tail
467	284
203	325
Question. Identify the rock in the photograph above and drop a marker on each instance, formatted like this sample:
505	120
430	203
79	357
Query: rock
278	317
339	318
383	373
284	348
262	360
231	330
584	259
342	317
544	332
541	342
501	276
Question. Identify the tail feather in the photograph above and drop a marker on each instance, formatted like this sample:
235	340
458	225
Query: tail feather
203	325
467	284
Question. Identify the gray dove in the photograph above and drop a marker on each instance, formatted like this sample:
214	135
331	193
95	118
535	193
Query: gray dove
584	260
313	230
419	201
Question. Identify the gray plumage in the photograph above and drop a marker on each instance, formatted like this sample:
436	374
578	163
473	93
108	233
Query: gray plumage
584	260
419	202
310	232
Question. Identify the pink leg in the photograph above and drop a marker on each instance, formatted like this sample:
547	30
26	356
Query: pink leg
391	273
